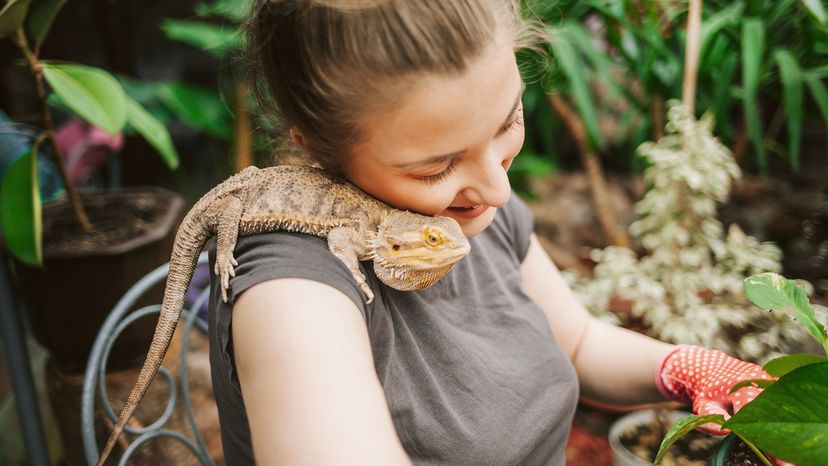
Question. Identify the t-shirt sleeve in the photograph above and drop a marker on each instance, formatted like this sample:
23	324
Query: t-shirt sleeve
275	255
515	223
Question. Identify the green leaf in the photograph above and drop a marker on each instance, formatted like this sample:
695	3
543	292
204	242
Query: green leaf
578	84
819	93
90	92
717	22
760	383
12	16
753	45
20	209
234	10
199	107
816	8
773	291
789	419
211	38
153	131
780	366
682	427
41	17
792	90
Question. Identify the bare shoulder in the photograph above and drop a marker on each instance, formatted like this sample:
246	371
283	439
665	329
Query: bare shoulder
307	376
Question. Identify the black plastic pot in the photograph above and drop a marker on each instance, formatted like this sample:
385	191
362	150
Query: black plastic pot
68	299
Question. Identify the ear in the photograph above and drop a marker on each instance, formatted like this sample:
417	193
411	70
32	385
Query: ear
297	137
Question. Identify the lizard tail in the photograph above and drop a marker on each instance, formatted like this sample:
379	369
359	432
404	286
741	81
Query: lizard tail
191	237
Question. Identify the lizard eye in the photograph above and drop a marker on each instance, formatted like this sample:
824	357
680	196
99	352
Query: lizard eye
433	239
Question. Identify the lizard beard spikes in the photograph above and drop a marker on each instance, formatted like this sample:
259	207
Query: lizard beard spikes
409	280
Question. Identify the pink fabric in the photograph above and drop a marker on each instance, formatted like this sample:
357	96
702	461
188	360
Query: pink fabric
85	147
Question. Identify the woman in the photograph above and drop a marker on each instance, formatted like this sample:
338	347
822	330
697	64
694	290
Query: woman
418	104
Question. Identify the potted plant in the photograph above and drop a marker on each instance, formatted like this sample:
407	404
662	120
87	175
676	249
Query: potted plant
74	258
788	419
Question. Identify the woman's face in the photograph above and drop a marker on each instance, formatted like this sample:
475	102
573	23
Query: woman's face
445	147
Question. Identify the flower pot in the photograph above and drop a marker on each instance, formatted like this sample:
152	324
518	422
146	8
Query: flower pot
83	276
702	447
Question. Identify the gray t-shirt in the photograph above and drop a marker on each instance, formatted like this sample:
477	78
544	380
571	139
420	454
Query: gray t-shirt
471	372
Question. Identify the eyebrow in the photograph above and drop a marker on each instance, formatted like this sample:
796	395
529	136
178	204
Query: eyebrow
445	157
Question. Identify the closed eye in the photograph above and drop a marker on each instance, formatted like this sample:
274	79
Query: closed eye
437	177
513	124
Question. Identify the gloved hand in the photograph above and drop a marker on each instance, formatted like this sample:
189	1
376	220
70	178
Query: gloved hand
704	376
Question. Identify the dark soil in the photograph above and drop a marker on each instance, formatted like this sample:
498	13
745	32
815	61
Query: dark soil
694	449
116	218
741	455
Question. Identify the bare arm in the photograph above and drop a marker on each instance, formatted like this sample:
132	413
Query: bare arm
308	379
614	365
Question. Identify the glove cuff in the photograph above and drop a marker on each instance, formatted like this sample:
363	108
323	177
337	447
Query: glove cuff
682	396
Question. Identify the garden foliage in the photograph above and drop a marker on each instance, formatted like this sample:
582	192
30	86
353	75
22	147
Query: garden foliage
688	287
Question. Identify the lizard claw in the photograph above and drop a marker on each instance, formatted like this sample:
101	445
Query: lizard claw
225	268
363	285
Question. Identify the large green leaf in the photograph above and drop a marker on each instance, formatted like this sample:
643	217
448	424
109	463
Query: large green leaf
211	38
682	427
773	291
780	366
753	46
153	131
790	418
20	209
578	83
41	16
12	16
90	92
199	107
792	89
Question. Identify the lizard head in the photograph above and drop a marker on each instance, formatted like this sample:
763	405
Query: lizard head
412	251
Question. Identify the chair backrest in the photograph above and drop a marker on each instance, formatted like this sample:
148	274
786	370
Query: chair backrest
120	318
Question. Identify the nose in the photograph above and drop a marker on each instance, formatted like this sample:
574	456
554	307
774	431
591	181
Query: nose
489	184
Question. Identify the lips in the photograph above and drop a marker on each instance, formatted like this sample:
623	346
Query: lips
467	212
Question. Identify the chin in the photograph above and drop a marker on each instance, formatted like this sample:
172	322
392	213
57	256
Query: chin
476	225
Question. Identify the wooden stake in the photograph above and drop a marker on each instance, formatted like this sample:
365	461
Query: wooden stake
691	56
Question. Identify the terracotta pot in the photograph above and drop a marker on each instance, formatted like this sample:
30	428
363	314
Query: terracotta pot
68	299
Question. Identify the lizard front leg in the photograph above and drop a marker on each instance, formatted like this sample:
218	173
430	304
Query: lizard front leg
229	211
346	244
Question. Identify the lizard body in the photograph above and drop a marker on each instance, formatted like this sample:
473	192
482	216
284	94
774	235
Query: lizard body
409	251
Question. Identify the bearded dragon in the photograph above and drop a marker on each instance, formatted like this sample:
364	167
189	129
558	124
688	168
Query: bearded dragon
409	251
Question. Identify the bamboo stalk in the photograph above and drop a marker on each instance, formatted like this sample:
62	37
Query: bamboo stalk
48	128
595	174
691	56
243	140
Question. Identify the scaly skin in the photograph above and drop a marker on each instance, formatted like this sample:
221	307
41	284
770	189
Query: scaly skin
409	251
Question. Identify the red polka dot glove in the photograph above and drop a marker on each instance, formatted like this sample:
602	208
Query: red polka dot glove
704	376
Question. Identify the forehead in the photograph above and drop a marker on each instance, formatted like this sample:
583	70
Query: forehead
438	114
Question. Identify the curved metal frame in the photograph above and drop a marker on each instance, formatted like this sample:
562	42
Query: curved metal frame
119	319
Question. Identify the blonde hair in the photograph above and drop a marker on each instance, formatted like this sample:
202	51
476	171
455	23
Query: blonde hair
318	65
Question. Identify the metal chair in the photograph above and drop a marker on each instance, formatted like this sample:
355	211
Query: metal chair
94	377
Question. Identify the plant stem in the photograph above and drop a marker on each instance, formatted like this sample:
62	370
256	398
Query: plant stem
691	56
592	164
48	128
